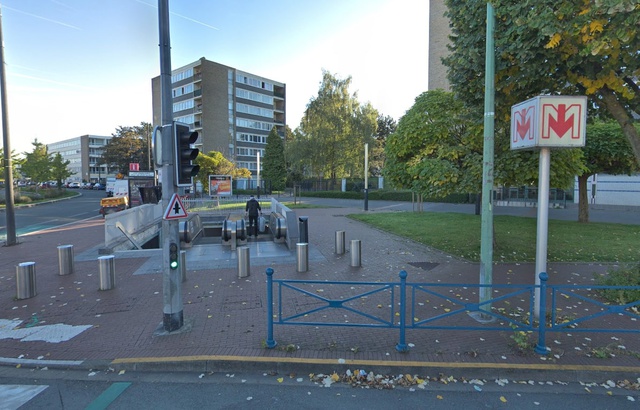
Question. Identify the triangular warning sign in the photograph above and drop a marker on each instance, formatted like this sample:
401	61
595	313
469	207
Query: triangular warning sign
175	210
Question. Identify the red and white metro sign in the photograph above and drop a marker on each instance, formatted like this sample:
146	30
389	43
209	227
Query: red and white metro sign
549	121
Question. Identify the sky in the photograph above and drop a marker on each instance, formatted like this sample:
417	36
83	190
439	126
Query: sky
77	67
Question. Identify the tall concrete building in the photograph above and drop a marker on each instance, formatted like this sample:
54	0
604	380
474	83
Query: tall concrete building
233	111
84	154
439	32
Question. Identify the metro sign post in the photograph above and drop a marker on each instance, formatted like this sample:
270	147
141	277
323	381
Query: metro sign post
546	122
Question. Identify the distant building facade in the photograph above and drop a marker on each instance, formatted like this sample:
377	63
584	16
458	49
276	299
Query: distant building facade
439	31
233	111
84	154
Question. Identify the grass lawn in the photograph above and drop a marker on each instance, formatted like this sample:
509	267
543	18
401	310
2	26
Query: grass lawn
514	237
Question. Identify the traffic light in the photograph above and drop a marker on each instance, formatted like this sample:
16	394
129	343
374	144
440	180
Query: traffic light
184	154
173	255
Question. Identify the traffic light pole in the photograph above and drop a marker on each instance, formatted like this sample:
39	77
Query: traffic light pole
172	312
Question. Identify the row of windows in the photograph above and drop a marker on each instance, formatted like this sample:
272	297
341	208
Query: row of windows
185	89
251	166
252	152
254	82
250	109
182	105
182	75
260	139
253	96
187	119
258	125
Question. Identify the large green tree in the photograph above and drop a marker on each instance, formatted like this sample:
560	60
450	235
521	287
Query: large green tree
274	168
386	126
128	145
334	129
607	151
59	169
564	47
37	163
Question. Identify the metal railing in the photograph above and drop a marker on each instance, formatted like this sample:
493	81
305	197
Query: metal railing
402	305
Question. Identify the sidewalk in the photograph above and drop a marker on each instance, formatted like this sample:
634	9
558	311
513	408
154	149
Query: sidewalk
70	323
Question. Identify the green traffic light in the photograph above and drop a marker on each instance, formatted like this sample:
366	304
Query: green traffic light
174	265
173	256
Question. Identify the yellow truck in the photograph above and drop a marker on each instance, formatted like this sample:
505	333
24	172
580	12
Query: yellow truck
113	204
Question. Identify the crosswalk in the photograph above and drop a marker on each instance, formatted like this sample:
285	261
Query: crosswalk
12	396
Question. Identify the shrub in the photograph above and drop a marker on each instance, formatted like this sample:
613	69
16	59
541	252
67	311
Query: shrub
621	277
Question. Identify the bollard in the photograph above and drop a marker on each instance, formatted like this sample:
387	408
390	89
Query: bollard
243	261
340	241
26	280
65	260
303	227
183	265
302	253
356	248
107	268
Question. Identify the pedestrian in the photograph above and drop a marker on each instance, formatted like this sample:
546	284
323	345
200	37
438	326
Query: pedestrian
253	210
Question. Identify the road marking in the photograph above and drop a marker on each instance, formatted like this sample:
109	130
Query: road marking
55	333
12	396
108	396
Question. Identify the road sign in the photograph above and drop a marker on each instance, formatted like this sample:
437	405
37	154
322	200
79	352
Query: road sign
175	210
549	121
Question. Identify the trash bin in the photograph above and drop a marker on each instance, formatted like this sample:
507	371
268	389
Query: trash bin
243	261
356	248
65	259
26	280
107	272
302	253
340	241
303	225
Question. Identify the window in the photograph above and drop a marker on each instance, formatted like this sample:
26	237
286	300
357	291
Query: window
250	95
182	75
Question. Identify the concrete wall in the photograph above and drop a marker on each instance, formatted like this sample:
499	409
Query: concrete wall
141	223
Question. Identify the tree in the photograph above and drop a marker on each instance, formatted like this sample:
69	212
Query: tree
15	161
274	167
214	163
128	145
552	47
37	163
59	170
386	126
335	128
437	151
607	150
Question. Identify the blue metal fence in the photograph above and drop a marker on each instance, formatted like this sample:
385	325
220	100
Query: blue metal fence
395	304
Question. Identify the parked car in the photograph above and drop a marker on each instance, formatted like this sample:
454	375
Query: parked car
99	186
74	185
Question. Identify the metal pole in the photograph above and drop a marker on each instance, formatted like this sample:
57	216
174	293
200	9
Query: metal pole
486	244
172	318
543	223
10	218
366	177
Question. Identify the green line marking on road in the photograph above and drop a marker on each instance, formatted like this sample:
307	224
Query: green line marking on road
108	396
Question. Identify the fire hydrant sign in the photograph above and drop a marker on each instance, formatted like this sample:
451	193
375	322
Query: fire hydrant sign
549	121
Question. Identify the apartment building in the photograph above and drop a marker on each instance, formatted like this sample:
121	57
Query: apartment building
83	154
232	110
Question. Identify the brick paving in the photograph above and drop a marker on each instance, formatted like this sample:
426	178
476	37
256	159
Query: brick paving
225	316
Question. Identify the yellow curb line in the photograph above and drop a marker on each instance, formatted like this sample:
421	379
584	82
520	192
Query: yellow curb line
393	363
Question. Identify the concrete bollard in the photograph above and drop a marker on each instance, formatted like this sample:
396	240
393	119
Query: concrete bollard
26	280
356	250
243	261
340	242
183	265
302	254
65	260
107	268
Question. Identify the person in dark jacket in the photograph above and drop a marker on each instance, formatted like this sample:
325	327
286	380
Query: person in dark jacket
254	211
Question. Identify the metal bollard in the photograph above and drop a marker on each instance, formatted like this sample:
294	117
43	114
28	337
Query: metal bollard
340	241
183	265
302	253
65	260
243	261
356	250
26	280
107	272
303	227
